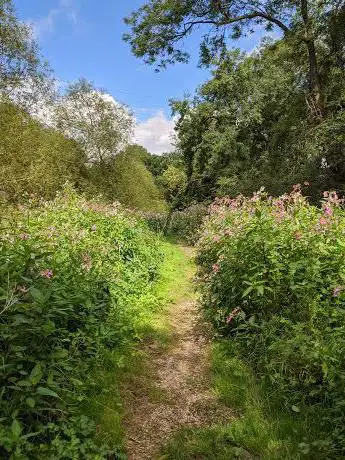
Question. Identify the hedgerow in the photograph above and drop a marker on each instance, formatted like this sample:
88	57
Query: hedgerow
72	274
272	278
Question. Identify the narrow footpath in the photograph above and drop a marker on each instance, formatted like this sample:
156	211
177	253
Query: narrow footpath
177	394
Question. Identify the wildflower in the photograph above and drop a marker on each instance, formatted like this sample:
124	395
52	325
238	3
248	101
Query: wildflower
24	236
215	268
47	273
337	291
216	238
328	210
323	221
233	314
325	194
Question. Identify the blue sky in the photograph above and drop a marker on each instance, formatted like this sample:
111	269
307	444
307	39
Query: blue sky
84	38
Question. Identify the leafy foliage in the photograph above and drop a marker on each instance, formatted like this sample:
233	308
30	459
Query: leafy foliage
72	276
249	127
94	119
35	159
272	279
125	178
19	57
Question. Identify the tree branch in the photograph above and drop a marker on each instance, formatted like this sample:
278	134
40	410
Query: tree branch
228	20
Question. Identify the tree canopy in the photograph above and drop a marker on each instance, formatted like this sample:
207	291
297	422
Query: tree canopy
94	119
19	55
158	30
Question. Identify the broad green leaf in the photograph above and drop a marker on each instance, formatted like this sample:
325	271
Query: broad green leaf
30	402
46	392
16	428
36	374
247	291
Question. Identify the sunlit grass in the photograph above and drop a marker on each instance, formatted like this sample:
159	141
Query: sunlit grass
128	367
260	429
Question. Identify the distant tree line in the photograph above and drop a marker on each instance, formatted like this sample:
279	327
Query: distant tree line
50	136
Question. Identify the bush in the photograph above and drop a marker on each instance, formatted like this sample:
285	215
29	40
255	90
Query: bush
156	221
125	178
71	275
272	278
186	224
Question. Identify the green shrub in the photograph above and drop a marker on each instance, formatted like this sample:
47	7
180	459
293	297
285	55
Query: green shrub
35	159
156	221
186	224
71	274
126	179
272	278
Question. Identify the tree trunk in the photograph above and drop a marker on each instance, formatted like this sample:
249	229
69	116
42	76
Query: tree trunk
315	90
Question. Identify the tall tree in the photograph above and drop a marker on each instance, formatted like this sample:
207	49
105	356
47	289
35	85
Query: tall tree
94	119
159	27
19	56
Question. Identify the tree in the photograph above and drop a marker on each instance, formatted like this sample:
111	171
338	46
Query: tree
125	178
19	56
159	27
95	120
35	159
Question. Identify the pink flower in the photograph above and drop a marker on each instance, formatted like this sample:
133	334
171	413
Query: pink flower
337	291
24	236
215	268
325	194
216	238
233	314
328	210
47	273
323	221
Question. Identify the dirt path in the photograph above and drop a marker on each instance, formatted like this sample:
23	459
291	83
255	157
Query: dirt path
180	392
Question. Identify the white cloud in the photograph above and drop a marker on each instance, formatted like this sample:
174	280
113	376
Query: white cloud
65	10
156	133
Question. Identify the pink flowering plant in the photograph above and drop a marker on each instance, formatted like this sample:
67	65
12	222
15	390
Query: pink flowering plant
272	278
72	278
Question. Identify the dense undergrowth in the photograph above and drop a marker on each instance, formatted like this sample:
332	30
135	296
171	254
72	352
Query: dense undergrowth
76	278
272	278
179	225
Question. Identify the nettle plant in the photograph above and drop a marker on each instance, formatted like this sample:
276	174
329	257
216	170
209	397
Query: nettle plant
69	273
272	277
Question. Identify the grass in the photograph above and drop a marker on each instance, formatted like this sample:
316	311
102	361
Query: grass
261	429
127	369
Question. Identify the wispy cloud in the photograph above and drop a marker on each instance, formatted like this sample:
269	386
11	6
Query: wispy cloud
156	133
65	11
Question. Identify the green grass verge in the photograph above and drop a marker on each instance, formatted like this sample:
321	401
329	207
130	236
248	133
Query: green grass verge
261	428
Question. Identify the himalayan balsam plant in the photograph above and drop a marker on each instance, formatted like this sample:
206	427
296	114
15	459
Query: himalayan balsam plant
272	278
